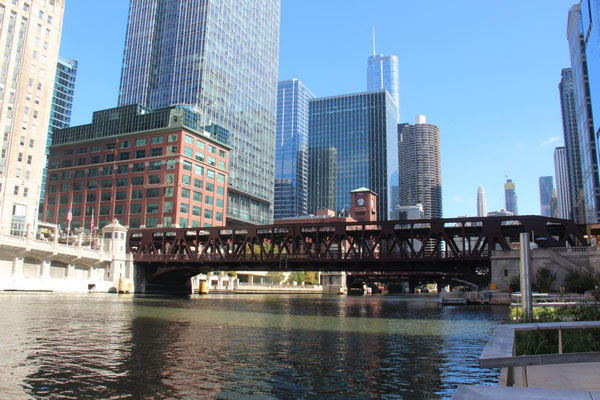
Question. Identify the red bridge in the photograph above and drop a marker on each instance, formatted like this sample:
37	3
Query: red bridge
457	246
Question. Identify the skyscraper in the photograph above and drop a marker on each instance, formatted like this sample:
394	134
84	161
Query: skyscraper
31	37
583	110
510	197
590	11
554	204
546	187
291	161
574	183
382	73
322	179
481	202
62	106
362	129
420	167
562	183
221	58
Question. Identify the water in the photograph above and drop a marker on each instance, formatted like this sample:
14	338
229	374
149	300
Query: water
240	347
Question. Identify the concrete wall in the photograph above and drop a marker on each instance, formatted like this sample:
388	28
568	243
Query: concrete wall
506	264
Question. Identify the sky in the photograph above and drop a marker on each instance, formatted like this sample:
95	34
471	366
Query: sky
486	72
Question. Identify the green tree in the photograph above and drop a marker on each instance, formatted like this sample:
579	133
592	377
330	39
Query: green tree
310	277
515	283
580	281
297	276
544	278
275	276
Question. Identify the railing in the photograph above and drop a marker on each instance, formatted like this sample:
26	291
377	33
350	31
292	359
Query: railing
500	350
572	250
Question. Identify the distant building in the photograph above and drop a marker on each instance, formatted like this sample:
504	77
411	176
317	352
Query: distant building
574	183
361	128
420	166
510	197
546	187
30	38
382	73
406	213
554	204
500	213
590	11
62	107
481	202
562	183
145	168
583	108
291	150
322	179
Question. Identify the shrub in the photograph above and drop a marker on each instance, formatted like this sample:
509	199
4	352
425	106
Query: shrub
515	283
579	281
544	278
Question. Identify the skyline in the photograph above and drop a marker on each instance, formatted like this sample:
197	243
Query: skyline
522	114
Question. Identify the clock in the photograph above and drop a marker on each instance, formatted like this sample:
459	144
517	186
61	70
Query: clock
361	202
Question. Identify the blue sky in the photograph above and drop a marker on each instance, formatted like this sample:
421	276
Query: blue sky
486	72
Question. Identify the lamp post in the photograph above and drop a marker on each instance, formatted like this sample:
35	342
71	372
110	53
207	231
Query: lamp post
526	298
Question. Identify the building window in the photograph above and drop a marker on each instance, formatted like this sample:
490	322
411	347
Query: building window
123	169
219	203
208	214
187	166
210	174
92	185
107	171
107	184
155	165
183	222
169	191
186	179
196	211
140	153
197	196
109	146
221	178
184	208
167	221
140	142
120	209
125	144
157	139
219	216
171	164
200	156
212	161
173	137
198	170
138	167
137	193
168	206
221	153
121	182
152	193
105	196
121	195
137	180
189	139
90	198
188	152
220	190
135	208
210	187
208	200
185	193
152	208
198	183
155	152
200	144
124	155
109	157
153	179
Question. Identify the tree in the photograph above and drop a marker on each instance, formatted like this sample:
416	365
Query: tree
515	283
544	278
297	276
275	276
310	277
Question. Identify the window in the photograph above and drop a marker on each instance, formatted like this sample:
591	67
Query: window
105	196
200	156
81	150
134	222
53	177
94	159
138	167
77	199
220	178
171	164
198	183
153	179
152	208
140	153
212	161
168	206
140	142
49	213
20	158
125	144
151	222
167	221
185	193
123	169
155	152
186	179
135	208
65	187
79	174
77	186
220	190
137	180
95	148
137	193
157	139
105	210
212	149
198	170
169	191
184	208
219	203
91	197
68	152
155	165
52	189
221	153
197	196
153	193
107	171
210	187
65	163
189	139
196	211
109	157
25	192
200	144
29	159
81	161
121	182
187	165
92	185
51	201
183	222
107	184
208	214
109	146
208	200
124	155
172	137
120	209
210	174
219	216
221	165
188	152
170	178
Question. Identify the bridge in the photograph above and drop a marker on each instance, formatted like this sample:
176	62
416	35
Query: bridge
457	247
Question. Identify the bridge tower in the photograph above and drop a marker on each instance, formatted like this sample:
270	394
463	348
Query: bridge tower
364	205
120	272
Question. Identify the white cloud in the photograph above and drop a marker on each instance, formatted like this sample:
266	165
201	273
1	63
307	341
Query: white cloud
549	141
458	199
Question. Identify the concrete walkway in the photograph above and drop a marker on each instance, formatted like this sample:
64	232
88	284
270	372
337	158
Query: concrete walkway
513	393
581	376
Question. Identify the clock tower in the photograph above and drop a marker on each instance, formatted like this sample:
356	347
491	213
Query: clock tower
363	205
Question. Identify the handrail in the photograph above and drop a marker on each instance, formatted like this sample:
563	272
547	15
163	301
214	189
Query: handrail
500	350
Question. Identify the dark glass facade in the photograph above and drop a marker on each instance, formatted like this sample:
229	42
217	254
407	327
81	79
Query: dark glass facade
583	110
220	57
291	162
546	188
322	179
362	128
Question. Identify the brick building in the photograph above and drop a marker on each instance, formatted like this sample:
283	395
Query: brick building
146	168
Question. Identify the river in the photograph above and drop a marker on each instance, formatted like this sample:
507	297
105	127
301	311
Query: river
240	346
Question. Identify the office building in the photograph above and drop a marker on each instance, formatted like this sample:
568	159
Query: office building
546	186
322	179
583	111
62	106
510	197
554	204
30	38
291	160
576	206
411	212
500	213
146	168
590	12
420	166
563	198
382	73
362	129
481	202
222	59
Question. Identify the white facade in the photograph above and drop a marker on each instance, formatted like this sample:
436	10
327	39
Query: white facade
30	36
481	202
562	183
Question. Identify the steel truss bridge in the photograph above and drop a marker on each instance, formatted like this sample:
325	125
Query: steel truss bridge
455	246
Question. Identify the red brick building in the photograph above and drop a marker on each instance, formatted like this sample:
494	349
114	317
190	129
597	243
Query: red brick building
146	168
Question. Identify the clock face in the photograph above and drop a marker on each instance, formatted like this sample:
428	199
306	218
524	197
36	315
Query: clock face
361	202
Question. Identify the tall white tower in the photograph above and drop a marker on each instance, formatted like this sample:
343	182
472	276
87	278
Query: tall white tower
31	31
481	202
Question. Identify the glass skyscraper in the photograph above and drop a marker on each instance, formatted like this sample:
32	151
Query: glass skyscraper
382	73
546	188
62	106
590	12
583	110
574	182
562	183
510	197
220	57
291	161
362	128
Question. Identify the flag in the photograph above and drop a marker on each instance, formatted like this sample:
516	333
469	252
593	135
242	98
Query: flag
70	215
92	224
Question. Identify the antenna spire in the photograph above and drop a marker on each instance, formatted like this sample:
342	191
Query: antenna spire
373	40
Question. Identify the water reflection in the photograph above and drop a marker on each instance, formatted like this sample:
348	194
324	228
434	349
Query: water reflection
239	346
